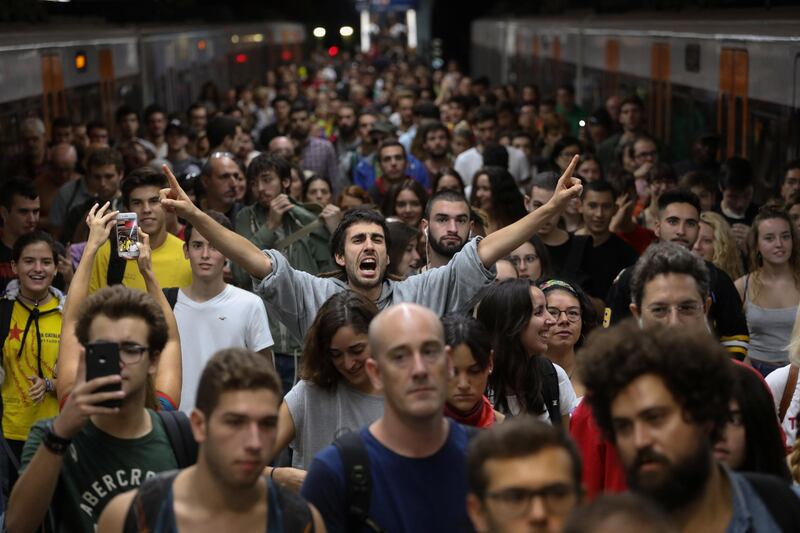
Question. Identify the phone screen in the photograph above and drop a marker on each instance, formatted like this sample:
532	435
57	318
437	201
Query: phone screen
127	235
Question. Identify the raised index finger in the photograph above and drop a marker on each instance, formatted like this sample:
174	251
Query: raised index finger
173	181
570	170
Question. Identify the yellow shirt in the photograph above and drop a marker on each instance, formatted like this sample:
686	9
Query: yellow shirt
169	264
19	411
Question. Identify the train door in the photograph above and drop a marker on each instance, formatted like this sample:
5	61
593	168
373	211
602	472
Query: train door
54	102
107	91
732	105
660	94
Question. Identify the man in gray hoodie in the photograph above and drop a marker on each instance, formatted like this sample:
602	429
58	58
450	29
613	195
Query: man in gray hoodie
360	248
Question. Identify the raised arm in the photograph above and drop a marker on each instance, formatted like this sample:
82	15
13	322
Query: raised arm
100	221
170	370
233	246
505	240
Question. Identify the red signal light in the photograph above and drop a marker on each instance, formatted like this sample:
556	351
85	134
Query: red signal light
286	55
241	58
333	51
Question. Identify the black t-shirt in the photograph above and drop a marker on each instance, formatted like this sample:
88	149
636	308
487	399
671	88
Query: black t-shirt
558	254
725	315
603	263
749	214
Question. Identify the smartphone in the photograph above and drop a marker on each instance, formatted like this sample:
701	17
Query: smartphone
127	235
102	359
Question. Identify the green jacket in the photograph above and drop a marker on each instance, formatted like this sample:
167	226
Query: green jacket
310	254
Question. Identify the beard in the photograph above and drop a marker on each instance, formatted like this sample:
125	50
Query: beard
347	131
677	484
446	250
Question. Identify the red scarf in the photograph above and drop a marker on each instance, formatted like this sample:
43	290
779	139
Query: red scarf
480	416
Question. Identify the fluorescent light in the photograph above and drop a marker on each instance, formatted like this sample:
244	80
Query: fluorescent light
319	32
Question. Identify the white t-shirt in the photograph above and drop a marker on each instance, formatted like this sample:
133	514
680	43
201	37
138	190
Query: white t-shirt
470	161
567	399
777	384
233	318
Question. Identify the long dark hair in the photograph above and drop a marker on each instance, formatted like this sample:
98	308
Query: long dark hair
401	235
390	201
505	311
764	444
347	308
463	329
508	204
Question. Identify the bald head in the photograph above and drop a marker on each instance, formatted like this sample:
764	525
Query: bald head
283	147
64	155
394	324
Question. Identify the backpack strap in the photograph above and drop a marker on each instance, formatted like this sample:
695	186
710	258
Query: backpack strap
550	391
306	230
146	508
779	499
116	264
171	294
788	391
179	433
358	481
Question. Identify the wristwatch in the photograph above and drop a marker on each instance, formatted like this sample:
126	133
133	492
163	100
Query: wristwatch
54	443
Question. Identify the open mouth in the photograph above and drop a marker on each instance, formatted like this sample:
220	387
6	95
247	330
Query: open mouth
368	266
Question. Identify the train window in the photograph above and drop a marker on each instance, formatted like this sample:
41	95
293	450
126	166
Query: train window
691	59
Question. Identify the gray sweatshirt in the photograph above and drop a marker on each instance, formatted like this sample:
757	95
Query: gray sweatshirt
295	296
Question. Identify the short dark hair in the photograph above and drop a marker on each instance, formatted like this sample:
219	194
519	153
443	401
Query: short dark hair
235	369
519	437
599	186
220	127
736	173
152	109
298	107
269	162
216	216
464	329
446	195
667	258
431	127
484	113
95	125
628	510
100	157
426	109
446	172
280	98
357	215
17	187
141	177
567	87
678	196
32	238
693	365
388	143
791	165
695	178
117	302
61	122
196	105
632	99
123	111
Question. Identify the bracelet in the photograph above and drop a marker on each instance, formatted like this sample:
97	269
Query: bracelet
48	386
56	444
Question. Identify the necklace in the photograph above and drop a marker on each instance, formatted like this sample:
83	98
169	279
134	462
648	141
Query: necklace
31	300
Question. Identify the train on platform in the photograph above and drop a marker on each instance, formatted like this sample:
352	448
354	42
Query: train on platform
737	73
86	73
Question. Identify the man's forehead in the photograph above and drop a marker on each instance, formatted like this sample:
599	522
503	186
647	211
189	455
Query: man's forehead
680	209
447	207
364	227
669	287
146	191
646	391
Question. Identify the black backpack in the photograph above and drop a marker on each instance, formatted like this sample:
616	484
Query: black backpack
779	499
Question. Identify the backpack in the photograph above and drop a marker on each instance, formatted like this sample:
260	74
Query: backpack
116	264
358	479
779	499
179	434
288	509
550	391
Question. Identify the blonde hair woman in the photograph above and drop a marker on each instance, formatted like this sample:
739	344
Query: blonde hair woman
715	244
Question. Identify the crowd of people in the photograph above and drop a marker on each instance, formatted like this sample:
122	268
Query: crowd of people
373	296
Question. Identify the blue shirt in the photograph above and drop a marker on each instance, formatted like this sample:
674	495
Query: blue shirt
408	495
749	512
366	172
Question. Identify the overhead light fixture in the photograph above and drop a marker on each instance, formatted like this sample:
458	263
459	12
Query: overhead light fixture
346	31
319	32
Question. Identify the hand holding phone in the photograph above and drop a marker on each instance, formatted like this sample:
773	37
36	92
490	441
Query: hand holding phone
102	359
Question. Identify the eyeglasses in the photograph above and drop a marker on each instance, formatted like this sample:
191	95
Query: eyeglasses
516	260
131	353
687	309
573	314
557	498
